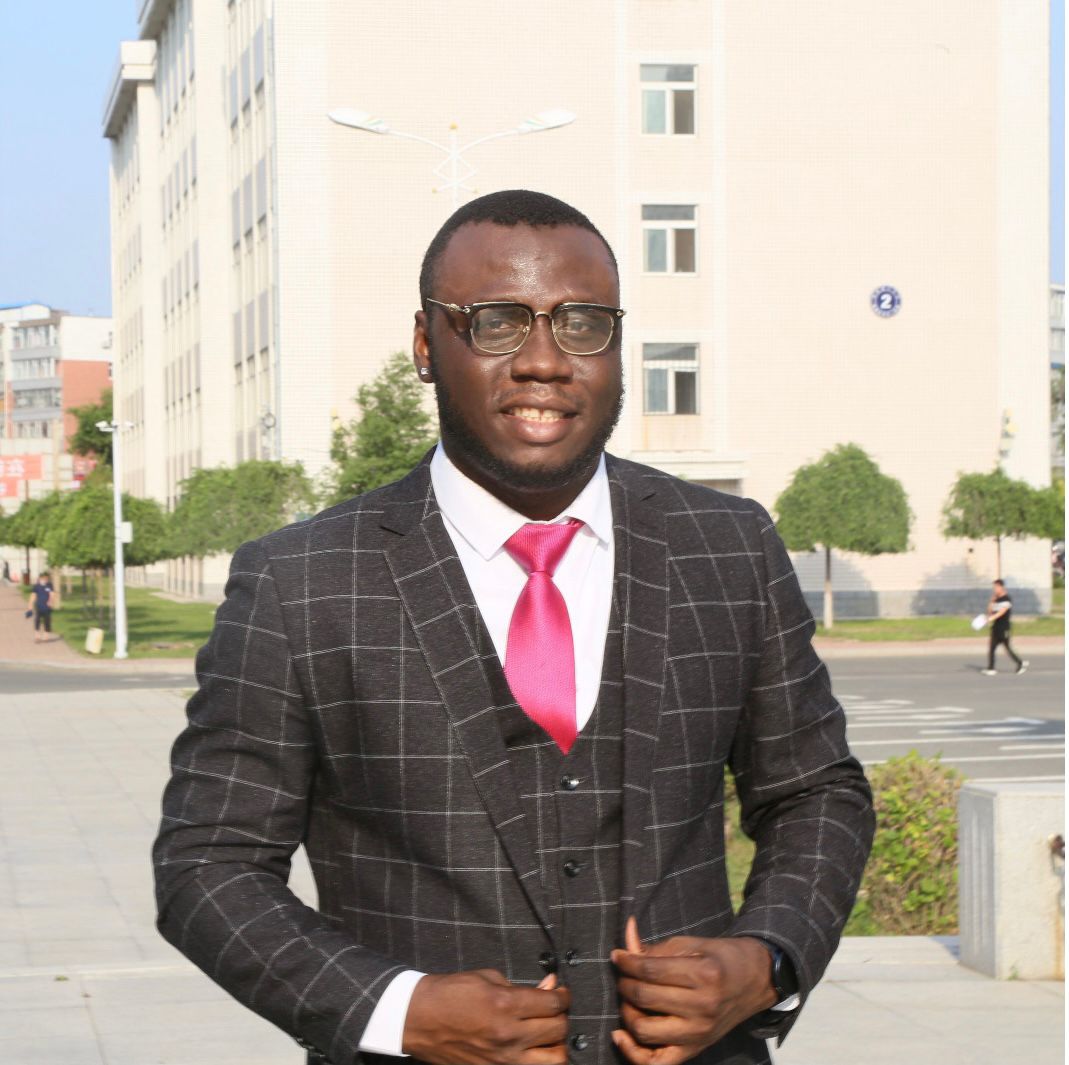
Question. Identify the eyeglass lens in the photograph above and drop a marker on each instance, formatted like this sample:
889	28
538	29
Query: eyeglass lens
579	330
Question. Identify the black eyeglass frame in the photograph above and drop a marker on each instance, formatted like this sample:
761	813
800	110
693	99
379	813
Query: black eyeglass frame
469	309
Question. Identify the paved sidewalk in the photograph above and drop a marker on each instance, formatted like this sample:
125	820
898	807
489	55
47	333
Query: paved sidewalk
16	633
85	979
17	647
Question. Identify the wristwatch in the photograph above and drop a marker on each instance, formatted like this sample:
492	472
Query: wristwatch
768	1023
784	978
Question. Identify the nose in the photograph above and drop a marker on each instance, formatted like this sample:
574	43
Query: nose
541	358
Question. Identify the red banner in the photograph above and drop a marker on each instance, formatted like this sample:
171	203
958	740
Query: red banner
83	465
10	488
20	468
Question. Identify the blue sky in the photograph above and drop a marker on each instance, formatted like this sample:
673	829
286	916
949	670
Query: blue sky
54	174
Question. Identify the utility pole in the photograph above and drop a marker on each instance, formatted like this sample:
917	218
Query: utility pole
122	532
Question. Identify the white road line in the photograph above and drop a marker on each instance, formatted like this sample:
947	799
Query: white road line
898	723
1060	745
985	758
935	741
1011	780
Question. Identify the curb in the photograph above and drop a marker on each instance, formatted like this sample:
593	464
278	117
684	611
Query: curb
831	648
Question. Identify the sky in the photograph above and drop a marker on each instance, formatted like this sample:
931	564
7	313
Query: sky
59	57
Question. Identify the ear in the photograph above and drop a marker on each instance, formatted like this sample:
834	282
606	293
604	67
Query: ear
421	349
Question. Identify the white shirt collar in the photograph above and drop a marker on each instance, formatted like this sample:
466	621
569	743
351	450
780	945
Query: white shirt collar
486	523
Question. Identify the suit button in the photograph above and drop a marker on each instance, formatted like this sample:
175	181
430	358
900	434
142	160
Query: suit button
569	783
572	957
548	961
572	867
580	1042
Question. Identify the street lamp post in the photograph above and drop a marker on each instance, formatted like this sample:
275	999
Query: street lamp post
121	532
449	170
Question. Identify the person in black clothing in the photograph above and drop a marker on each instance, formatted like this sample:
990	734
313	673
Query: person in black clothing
42	593
998	617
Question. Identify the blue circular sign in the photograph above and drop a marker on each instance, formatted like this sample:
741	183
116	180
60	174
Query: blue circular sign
886	301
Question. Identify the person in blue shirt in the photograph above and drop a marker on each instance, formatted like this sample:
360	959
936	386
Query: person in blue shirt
43	599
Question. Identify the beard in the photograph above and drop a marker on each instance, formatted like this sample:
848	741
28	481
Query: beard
463	440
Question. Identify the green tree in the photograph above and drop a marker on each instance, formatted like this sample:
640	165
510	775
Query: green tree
1048	512
82	532
993	506
219	509
87	439
391	435
29	524
843	502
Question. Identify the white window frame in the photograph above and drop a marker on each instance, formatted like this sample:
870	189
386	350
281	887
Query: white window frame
668	90
673	367
670	225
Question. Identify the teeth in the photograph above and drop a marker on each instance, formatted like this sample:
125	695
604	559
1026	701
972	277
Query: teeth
534	414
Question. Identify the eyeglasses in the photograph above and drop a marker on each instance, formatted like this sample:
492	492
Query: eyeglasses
501	328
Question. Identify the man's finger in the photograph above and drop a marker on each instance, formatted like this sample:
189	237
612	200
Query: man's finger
657	998
551	1055
675	970
533	1002
640	1055
632	940
677	945
655	1031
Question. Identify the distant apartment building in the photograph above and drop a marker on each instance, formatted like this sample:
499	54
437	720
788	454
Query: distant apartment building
829	229
50	361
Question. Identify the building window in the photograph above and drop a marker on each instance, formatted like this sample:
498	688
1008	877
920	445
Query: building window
669	238
670	377
668	92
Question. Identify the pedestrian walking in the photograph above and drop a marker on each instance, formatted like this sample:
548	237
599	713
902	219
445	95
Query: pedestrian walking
7	572
43	600
999	607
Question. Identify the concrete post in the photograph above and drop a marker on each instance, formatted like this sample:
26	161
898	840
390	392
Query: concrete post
1011	883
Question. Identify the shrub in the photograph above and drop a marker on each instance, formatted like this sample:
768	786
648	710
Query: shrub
910	885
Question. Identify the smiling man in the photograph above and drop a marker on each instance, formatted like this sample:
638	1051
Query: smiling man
496	701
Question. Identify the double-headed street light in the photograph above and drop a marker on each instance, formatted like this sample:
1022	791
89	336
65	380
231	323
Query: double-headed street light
123	531
449	170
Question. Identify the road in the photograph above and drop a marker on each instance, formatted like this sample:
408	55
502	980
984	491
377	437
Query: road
1005	727
15	680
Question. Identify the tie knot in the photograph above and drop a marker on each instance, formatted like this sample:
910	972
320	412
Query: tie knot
539	548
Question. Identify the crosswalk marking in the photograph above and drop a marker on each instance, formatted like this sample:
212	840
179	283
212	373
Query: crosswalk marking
901	724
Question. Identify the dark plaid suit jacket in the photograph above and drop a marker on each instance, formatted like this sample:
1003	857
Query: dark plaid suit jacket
344	704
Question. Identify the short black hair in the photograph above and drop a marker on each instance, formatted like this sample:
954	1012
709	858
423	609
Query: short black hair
511	207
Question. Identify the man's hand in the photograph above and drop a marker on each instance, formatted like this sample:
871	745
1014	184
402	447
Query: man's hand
682	995
479	1018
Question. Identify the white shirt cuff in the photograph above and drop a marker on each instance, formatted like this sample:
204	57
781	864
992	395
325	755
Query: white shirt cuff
791	1002
385	1032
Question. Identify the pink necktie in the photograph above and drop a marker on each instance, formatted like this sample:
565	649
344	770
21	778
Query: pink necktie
540	658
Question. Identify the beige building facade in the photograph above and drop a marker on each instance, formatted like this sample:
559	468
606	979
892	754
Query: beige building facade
761	170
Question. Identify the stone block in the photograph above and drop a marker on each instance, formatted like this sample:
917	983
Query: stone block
1011	884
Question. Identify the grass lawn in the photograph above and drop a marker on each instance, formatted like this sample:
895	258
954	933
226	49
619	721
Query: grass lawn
157	628
934	628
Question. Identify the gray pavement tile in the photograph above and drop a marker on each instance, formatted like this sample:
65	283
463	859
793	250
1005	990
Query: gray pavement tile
13	955
246	1042
79	953
27	991
92	921
43	1049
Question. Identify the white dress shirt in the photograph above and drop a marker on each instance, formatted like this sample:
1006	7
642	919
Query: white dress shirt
478	523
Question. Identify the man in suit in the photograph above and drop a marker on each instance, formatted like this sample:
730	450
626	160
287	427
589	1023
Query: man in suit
495	702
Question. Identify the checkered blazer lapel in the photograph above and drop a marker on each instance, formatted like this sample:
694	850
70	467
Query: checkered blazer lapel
441	608
641	589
